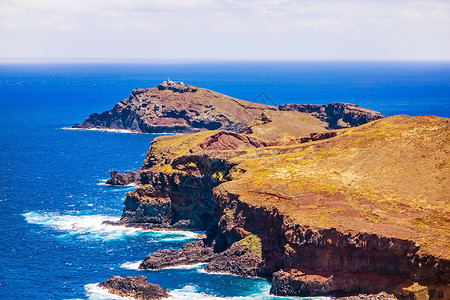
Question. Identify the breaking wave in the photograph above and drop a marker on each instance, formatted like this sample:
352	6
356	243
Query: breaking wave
83	226
92	227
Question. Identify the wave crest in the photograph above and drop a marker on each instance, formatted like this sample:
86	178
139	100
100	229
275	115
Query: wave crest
92	227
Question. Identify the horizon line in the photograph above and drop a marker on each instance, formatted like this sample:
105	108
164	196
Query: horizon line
122	60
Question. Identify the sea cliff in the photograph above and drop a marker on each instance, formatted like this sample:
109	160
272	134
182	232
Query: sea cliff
364	204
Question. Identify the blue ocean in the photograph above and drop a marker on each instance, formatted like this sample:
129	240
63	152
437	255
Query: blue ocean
52	194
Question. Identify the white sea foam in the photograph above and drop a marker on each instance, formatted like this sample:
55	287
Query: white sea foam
102	129
134	265
175	235
202	270
191	292
94	292
131	265
186	267
85	226
261	293
103	182
92	227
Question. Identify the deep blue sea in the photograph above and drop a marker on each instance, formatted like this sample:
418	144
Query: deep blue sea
52	197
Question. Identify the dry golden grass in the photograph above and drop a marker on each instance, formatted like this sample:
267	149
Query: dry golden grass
389	177
286	125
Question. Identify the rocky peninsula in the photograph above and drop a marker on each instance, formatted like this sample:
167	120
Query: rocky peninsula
174	107
358	210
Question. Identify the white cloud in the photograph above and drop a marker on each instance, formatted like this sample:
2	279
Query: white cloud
214	29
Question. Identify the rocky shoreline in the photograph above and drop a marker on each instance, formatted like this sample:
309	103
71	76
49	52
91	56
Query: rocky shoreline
308	212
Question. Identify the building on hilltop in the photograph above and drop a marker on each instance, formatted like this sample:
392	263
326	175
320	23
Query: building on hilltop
169	82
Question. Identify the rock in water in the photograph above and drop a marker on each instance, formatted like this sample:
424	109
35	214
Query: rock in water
191	253
136	287
242	258
124	179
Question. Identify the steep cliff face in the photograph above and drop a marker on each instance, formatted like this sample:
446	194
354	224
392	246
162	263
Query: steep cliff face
181	108
176	184
330	215
337	115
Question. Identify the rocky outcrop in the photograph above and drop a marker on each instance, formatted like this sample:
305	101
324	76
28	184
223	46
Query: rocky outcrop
171	201
177	87
191	253
243	257
337	115
317	283
176	107
136	287
379	296
313	215
132	177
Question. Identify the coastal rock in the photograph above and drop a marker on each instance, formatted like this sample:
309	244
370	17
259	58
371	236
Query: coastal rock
379	296
136	287
124	179
295	282
191	253
337	115
144	210
242	258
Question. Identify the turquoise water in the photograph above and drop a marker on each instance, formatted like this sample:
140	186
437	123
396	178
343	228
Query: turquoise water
52	200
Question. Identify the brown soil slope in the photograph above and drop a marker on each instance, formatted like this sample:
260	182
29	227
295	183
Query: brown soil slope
389	177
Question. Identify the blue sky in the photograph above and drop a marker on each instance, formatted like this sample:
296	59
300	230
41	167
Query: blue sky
225	29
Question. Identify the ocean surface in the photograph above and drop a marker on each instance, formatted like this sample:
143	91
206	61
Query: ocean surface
52	197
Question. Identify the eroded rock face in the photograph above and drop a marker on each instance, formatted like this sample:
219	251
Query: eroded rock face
379	296
136	287
321	283
170	201
243	257
191	253
337	115
124	179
